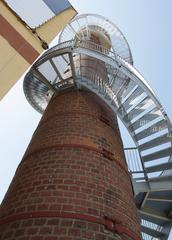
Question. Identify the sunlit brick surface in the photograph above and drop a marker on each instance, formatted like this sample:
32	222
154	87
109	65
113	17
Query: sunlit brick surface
74	165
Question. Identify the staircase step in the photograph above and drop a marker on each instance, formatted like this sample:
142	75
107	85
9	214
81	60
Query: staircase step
155	128
159	154
160	167
156	142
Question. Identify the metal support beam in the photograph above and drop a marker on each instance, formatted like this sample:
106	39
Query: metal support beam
154	214
140	186
157	184
72	68
56	70
144	200
73	30
159	198
42	78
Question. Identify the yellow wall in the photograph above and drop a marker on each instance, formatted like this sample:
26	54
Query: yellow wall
12	65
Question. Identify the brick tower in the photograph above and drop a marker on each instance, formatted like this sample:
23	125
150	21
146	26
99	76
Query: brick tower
73	182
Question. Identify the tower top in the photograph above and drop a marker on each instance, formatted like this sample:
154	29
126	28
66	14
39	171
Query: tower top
82	25
48	74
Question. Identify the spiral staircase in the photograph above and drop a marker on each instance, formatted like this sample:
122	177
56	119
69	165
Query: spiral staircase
128	94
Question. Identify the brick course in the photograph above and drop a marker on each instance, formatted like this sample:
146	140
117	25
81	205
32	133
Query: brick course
74	165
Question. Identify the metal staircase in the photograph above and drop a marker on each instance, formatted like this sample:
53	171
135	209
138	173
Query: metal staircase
127	93
155	203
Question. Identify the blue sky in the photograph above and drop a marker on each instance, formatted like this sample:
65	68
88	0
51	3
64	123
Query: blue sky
147	26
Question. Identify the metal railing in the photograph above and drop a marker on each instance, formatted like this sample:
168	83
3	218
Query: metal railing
135	164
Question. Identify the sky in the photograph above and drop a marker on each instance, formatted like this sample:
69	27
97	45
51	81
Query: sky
147	26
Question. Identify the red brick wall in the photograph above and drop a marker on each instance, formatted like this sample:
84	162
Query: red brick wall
72	182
